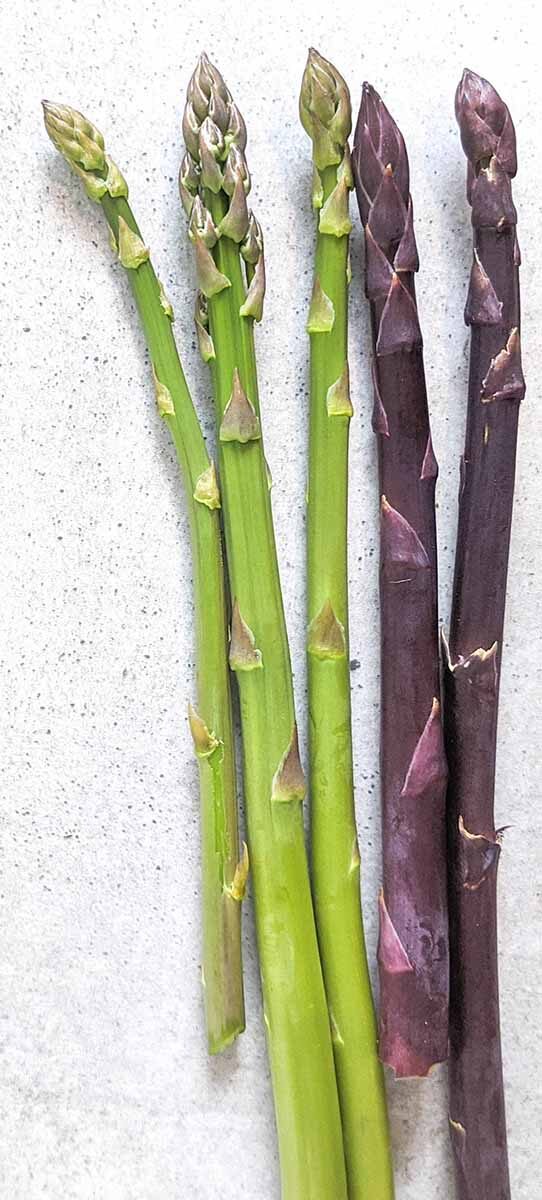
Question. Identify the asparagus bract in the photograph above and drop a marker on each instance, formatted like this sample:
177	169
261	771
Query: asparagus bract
211	721
325	112
214	183
413	944
496	387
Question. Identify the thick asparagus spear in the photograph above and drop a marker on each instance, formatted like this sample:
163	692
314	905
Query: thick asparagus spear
496	387
211	724
325	112
214	183
413	945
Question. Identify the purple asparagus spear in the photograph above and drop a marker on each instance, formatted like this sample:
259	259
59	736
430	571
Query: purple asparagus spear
413	944
496	387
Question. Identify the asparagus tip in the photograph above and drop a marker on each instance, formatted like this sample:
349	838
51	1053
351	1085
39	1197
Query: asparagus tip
485	123
214	134
380	159
325	110
77	139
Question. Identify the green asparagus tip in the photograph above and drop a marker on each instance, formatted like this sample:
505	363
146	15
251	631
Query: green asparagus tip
209	107
77	139
325	110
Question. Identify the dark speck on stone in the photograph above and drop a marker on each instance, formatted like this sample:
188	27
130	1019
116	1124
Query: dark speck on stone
354	664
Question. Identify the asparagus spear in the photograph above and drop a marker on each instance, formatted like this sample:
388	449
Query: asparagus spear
211	722
325	112
214	182
413	944
496	387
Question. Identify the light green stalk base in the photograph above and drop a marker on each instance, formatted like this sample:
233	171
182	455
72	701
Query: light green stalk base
305	1092
335	856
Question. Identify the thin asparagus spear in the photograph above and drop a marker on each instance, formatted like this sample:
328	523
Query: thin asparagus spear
211	725
214	182
413	945
496	387
325	112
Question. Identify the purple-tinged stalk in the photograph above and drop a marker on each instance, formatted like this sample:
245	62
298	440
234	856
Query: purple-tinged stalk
496	387
413	943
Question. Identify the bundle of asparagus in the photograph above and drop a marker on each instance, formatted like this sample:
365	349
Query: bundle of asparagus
214	183
413	946
473	658
321	1030
326	116
223	876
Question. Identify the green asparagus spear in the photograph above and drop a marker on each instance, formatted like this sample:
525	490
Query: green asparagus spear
211	723
326	116
214	183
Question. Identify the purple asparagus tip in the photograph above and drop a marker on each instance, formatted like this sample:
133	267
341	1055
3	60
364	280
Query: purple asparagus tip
485	124
378	149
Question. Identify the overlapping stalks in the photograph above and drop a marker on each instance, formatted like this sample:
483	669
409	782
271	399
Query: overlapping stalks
214	184
223	877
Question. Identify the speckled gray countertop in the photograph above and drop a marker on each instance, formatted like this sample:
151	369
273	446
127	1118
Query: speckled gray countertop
105	1088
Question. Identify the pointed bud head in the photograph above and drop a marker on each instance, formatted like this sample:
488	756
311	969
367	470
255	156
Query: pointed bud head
205	741
211	137
131	248
399	327
206	490
200	226
252	246
236	168
491	198
189	174
289	780
240	421
326	637
191	128
205	342
253	304
321	316
244	654
399	542
75	137
219	112
378	146
189	177
236	133
211	281
211	149
201	310
209	98
207	90
485	123
235	222
325	110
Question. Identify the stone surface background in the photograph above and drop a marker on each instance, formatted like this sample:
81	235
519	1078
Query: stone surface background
105	1088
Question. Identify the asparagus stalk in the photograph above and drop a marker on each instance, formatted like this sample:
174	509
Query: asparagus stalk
214	182
413	944
325	112
211	720
496	387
